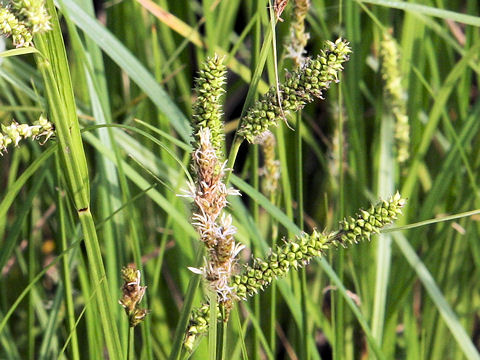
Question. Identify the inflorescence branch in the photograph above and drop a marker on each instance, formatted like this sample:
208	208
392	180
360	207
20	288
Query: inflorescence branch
297	253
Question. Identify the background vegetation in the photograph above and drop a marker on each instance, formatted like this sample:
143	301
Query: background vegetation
407	295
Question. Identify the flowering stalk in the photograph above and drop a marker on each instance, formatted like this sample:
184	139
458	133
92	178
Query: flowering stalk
297	253
396	94
300	88
15	132
132	295
298	37
208	189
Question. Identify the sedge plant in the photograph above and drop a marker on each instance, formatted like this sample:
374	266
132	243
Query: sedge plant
111	107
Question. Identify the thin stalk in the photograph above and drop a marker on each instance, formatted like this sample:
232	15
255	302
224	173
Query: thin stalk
273	288
222	335
338	304
186	310
66	276
305	350
131	343
237	141
212	329
31	295
255	209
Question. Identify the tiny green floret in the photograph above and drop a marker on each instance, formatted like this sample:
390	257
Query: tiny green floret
300	88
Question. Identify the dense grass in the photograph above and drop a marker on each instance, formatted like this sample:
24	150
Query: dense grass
76	210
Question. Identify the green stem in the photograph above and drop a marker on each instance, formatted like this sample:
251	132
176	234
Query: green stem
131	343
237	141
302	273
338	303
66	276
53	65
212	329
255	214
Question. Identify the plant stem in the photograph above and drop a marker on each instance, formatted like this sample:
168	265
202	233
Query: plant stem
302	273
131	343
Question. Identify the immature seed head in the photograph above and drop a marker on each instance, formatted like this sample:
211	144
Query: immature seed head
207	109
368	222
396	95
300	88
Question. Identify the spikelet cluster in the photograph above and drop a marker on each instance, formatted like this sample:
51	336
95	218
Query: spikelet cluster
208	190
11	26
132	295
301	87
396	95
21	19
298	37
368	222
199	324
271	166
298	252
207	110
15	132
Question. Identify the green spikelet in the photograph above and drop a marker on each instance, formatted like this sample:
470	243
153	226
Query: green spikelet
11	26
199	324
369	222
300	88
34	14
207	111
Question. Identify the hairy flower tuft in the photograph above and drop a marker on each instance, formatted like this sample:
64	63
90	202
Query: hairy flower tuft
215	227
300	88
